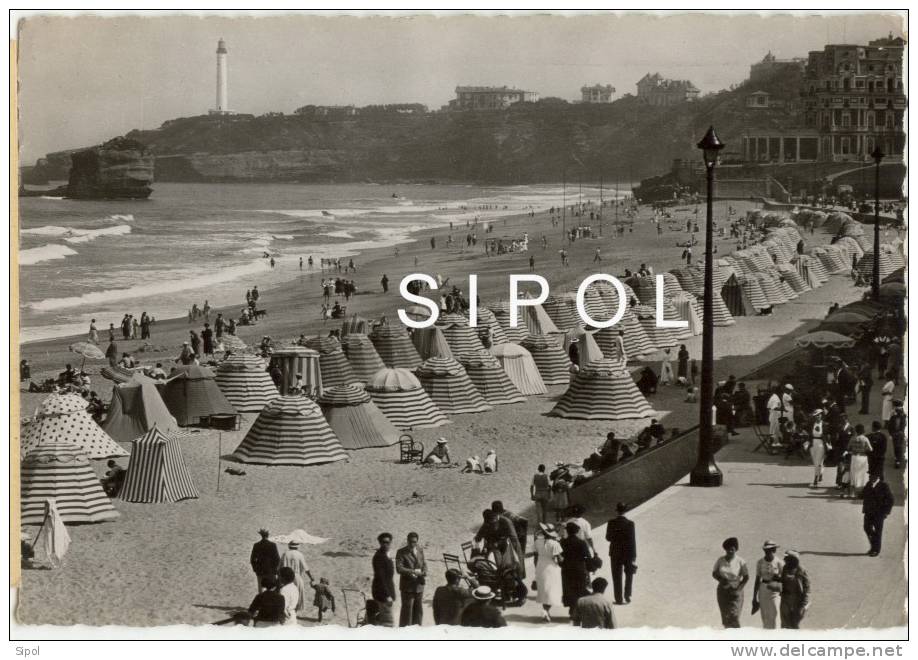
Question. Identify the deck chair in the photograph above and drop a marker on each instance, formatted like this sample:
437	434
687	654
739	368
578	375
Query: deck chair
358	601
467	551
410	450
764	439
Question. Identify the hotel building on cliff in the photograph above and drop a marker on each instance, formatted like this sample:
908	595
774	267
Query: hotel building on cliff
490	98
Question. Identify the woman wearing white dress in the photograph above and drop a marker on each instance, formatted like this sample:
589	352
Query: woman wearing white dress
887	393
548	569
666	369
859	448
817	446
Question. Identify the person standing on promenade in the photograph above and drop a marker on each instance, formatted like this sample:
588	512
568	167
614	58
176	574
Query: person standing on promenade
595	610
887	392
575	568
766	591
731	574
896	427
93	332
817	446
383	588
622	553
411	566
775	410
878	504
683	361
877	456
207	335
219	326
666	368
540	493
865	384
548	569
795	591
859	449
265	559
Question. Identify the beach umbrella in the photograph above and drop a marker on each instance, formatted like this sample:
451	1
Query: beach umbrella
87	351
417	312
233	343
824	339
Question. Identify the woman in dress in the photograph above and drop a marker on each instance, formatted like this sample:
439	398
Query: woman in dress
295	561
887	393
766	592
817	446
575	568
291	594
795	591
731	574
858	449
548	569
666	368
93	332
682	369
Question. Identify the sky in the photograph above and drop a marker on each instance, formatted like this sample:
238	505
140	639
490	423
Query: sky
84	79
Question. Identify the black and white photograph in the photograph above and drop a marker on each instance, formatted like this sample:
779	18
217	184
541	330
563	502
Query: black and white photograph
401	325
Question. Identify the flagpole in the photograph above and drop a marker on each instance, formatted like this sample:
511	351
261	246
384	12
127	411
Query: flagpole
219	454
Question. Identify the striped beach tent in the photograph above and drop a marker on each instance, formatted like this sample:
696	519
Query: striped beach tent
671	285
293	361
722	317
246	384
670	313
661	337
116	373
157	471
538	322
460	337
609	294
811	270
487	321
887	263
587	349
520	367
552	362
646	289
501	312
402	399
430	342
489	378
355	325
772	288
686	306
755	293
602	390
355	419
594	304
333	364
450	387
61	419
291	430
63	473
690	280
790	275
563	311
395	347
362	356
636	341
191	395
135	408
832	259
853	247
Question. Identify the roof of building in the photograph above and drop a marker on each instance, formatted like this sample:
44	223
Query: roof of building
483	89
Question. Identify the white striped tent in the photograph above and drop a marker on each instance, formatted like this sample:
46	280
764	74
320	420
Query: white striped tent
487	321
489	378
402	399
686	306
636	341
671	285
362	356
773	292
722	316
646	289
520	367
790	275
661	337
602	390
245	383
811	270
887	263
609	294
291	430
563	311
63	473
62	419
450	387
754	292
594	304
832	261
430	342
333	364
135	408
538	322
460	337
157	471
851	245
552	362
690	279
587	349
355	419
670	313
501	312
296	361
395	347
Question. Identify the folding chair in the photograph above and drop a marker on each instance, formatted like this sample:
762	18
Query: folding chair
764	440
453	562
467	551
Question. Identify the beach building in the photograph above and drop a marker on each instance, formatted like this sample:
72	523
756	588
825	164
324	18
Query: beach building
758	99
596	93
654	89
490	98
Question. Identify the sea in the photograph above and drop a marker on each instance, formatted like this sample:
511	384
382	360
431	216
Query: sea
191	242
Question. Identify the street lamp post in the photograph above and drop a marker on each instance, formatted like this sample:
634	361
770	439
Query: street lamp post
877	155
706	472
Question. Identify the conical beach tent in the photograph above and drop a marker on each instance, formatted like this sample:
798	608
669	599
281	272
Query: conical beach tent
291	430
157	471
520	367
402	399
552	362
755	293
450	387
362	356
395	347
661	337
62	419
62	472
430	342
587	349
246	384
686	306
135	408
333	364
501	312
489	378
487	321
538	322
355	419
192	395
736	300
563	311
460	337
602	390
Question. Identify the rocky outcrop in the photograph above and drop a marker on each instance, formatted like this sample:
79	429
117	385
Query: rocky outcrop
119	168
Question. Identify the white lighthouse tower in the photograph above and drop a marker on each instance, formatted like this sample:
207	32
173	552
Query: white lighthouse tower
222	106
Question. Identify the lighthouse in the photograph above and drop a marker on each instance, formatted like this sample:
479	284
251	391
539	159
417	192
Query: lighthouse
222	106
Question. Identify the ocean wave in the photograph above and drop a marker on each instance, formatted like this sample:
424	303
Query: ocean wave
283	237
87	235
49	252
75	235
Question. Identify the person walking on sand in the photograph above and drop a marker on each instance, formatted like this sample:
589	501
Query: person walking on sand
531	263
111	353
817	446
622	553
878	504
548	555
540	493
731	574
383	587
385	283
301	263
597	256
93	332
265	559
766	591
295	561
412	569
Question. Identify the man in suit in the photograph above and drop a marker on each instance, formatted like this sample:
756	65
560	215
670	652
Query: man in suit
383	588
265	559
877	456
622	552
412	569
896	425
878	503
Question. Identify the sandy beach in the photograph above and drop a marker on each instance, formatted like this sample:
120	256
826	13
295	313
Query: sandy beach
188	562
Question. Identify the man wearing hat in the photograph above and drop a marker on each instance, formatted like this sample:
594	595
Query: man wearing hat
775	412
787	400
481	613
878	503
450	599
766	593
622	552
265	559
896	427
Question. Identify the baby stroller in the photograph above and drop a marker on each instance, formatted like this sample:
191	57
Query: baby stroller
502	578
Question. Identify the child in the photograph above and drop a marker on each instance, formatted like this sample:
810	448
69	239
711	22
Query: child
490	462
324	599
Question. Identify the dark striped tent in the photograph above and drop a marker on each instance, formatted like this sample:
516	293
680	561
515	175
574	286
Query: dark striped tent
501	312
245	382
888	263
602	390
430	342
63	473
333	364
62	419
355	419
362	356
450	387
489	378
157	471
291	430
135	408
402	399
355	325
460	337
487	321
660	337
563	311
552	362
395	347
192	395
735	298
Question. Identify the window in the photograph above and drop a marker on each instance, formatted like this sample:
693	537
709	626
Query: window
845	146
859	84
846	120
